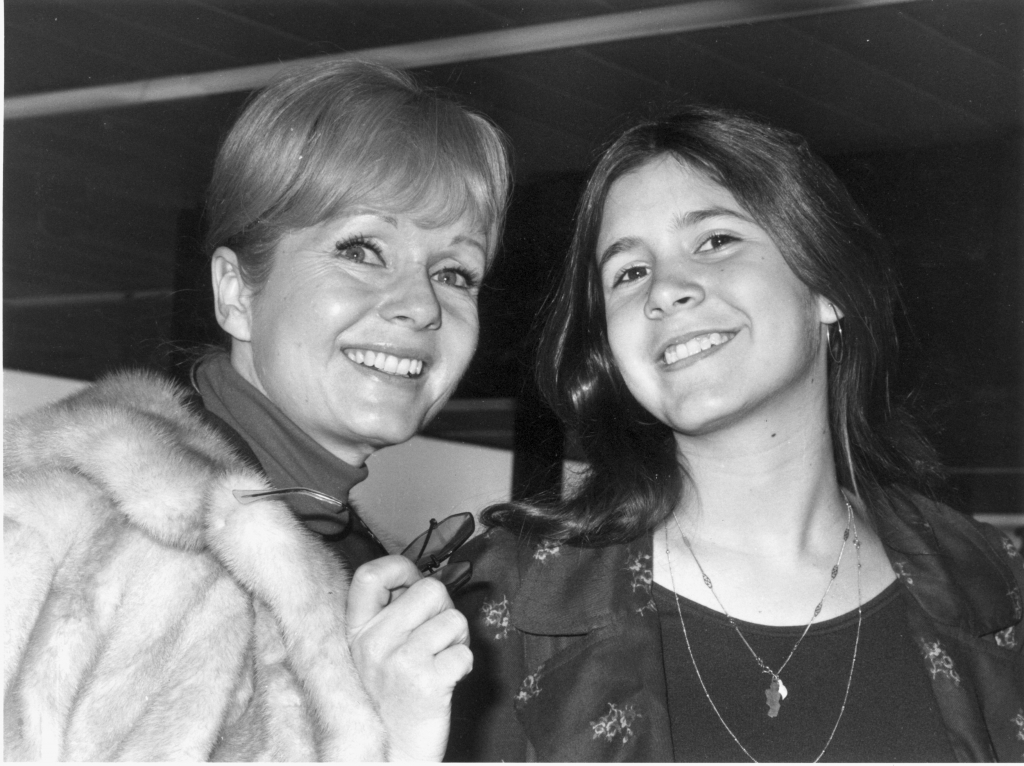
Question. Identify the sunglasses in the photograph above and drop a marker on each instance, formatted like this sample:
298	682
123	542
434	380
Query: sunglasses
428	551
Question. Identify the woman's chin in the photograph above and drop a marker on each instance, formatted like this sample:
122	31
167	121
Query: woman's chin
381	436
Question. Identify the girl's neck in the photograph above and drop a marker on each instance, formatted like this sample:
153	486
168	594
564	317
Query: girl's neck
762	485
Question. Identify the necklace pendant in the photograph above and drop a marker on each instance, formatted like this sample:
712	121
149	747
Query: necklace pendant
774	695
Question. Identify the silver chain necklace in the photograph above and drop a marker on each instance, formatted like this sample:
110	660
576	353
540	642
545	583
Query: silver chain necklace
777	690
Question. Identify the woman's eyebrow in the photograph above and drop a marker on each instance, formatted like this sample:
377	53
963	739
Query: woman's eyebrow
462	239
388	219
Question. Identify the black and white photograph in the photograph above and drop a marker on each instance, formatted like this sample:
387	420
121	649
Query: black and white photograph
513	380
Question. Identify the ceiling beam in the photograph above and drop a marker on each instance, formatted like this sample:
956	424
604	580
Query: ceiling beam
591	30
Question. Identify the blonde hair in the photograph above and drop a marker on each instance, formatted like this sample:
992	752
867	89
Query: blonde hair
331	136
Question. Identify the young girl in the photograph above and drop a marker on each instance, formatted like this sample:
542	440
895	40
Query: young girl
750	568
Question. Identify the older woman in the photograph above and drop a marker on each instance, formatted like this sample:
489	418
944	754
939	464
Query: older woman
752	567
176	563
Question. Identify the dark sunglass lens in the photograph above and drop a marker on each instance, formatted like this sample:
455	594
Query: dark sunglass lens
431	548
454	576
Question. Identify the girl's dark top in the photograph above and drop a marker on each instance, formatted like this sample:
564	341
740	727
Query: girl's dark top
890	715
288	456
570	664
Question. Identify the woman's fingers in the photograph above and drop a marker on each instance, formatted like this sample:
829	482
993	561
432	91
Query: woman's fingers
374	585
454	663
421	621
428	661
410	651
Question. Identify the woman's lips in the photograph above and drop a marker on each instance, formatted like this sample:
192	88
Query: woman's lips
695	345
403	367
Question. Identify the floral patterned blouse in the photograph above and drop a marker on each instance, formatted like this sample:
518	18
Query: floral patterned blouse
568	659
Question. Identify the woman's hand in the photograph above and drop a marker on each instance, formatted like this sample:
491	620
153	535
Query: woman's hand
410	646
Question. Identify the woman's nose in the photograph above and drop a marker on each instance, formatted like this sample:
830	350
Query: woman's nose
412	301
671	290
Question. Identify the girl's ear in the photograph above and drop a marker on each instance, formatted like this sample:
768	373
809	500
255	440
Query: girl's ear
828	313
231	296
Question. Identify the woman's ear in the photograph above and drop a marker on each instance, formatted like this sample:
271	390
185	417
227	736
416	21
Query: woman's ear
232	298
828	312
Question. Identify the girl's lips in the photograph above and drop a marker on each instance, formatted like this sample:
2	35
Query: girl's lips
389	364
695	345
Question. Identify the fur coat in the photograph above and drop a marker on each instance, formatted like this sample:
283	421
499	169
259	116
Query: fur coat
150	616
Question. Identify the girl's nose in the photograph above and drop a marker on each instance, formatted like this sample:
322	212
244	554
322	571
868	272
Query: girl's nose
672	289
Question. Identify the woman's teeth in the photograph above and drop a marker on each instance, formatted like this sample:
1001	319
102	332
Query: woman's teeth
386	363
695	346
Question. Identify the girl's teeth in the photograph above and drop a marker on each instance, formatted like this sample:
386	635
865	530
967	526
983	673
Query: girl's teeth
694	346
403	367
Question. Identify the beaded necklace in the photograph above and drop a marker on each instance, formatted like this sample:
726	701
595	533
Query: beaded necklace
776	691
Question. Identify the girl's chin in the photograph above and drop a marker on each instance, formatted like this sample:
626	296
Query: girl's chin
702	421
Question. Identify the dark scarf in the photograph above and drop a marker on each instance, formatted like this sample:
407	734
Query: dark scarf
288	455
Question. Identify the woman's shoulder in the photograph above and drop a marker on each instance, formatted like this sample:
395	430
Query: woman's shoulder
140	408
136	443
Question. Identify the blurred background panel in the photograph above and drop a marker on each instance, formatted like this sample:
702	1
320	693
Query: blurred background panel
919	106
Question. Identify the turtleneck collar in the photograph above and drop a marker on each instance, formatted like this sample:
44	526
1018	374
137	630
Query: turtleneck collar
289	456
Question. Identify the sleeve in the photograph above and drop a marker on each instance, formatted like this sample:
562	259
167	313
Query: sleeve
1011	637
484	723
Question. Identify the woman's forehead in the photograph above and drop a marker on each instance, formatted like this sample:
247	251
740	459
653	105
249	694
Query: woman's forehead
467	221
437	204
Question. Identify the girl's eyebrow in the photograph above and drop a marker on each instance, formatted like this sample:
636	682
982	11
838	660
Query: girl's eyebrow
616	247
694	217
690	218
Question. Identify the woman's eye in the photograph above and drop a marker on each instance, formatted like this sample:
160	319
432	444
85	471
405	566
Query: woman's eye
630	274
359	251
456	277
717	242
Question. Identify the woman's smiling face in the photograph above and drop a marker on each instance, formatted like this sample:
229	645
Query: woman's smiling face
364	326
706	321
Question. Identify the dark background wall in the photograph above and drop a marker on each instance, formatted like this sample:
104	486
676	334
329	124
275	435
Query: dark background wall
919	106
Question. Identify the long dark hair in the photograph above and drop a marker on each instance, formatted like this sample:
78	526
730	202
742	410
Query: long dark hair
634	479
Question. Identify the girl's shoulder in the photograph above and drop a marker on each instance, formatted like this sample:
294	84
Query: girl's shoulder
501	559
963	571
959	534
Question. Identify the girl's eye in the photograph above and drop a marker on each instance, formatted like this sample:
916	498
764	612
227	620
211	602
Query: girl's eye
630	274
456	276
359	250
716	242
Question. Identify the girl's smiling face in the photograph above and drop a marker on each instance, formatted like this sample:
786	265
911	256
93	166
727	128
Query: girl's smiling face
363	327
707	323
